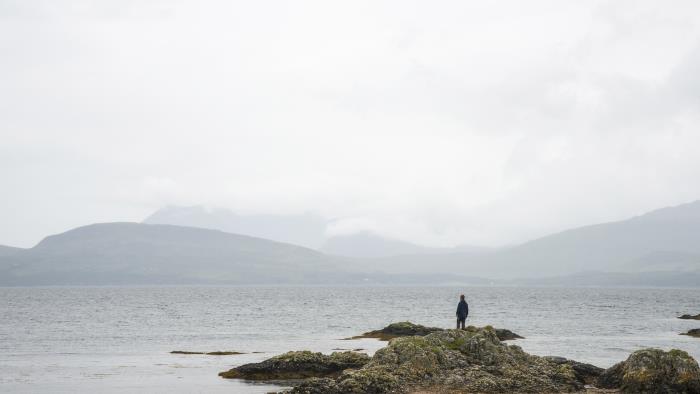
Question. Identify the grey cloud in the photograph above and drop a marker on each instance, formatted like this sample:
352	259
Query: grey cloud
440	124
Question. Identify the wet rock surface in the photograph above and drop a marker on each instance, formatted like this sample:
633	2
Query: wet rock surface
298	365
586	373
690	317
654	371
695	332
217	353
404	329
401	329
472	360
507	335
227	353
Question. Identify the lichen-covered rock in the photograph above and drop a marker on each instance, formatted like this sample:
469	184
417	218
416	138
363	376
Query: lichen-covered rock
298	365
370	380
654	371
362	381
405	329
585	373
471	360
695	332
690	317
317	386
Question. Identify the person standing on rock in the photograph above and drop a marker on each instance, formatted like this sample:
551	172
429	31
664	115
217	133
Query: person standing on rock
462	311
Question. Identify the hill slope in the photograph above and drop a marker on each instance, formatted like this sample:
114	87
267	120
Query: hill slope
9	250
660	240
608	246
132	253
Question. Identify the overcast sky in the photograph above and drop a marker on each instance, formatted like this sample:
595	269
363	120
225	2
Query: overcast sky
439	122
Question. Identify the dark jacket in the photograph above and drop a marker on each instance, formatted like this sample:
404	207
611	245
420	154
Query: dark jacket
462	309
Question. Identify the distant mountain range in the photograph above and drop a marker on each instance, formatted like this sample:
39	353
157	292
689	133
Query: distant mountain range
662	240
137	253
132	253
658	248
307	230
643	243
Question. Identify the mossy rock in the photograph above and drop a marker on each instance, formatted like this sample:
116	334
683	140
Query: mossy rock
405	329
369	380
298	365
654	371
316	386
473	360
363	381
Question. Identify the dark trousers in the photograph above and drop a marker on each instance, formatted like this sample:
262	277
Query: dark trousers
460	320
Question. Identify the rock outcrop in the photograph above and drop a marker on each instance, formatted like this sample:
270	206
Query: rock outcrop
472	360
695	332
298	365
421	359
654	371
690	317
405	329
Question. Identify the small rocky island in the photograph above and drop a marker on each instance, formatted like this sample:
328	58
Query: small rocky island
430	360
690	317
695	332
405	329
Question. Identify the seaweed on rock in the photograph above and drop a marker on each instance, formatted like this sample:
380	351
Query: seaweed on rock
298	365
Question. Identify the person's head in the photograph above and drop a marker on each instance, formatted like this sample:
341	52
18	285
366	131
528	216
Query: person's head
461	297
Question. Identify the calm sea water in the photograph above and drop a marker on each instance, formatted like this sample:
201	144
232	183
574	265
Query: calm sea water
118	339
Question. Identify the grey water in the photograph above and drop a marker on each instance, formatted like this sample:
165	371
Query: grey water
118	339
